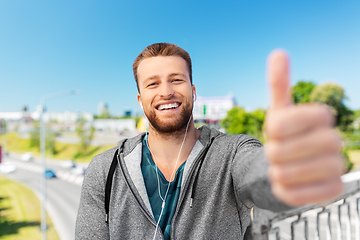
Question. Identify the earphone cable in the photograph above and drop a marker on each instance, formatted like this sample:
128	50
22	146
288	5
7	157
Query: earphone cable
157	175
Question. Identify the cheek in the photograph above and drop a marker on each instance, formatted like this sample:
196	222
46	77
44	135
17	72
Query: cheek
185	91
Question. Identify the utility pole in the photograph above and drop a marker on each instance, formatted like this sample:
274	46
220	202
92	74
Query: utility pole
43	226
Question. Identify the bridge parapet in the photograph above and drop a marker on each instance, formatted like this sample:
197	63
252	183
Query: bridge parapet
338	218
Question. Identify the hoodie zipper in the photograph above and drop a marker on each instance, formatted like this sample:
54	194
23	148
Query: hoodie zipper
198	161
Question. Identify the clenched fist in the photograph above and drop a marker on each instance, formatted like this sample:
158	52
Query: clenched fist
303	149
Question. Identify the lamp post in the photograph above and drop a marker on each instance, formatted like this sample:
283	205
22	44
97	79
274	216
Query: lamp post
43	226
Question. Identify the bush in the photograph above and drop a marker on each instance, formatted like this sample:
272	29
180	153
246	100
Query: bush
348	164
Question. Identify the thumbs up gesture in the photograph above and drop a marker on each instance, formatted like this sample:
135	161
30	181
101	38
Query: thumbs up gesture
303	149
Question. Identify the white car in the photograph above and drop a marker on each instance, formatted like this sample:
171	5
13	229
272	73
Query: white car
27	157
78	170
68	164
7	167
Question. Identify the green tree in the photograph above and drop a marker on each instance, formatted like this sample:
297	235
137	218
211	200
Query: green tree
239	121
85	134
301	91
35	135
334	96
357	114
348	164
35	138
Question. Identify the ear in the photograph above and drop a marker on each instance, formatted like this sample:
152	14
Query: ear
194	93
139	101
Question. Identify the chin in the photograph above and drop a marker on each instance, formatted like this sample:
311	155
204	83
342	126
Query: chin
172	124
169	127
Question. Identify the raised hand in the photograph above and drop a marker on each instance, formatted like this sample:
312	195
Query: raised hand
303	149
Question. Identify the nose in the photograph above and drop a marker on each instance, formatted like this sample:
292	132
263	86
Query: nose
166	91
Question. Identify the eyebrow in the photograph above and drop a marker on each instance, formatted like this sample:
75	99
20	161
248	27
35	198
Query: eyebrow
170	75
177	74
151	78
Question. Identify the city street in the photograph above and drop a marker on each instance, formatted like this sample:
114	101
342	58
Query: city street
63	195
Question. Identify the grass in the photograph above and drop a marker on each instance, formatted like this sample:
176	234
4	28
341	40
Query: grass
63	151
20	213
66	151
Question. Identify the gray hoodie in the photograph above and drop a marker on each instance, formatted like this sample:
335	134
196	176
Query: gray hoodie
223	178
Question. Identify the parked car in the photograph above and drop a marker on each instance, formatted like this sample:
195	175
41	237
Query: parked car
50	173
27	157
7	167
78	170
68	164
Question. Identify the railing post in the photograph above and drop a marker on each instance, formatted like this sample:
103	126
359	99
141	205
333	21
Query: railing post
299	220
276	231
348	221
262	220
328	227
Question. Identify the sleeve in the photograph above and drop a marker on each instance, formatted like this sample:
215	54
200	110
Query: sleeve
90	222
251	182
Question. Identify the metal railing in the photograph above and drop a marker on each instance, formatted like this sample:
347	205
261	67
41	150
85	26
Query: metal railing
338	218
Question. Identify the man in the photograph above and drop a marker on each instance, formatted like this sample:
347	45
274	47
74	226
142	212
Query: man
179	182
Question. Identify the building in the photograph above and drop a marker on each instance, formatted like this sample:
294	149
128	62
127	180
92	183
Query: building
19	121
102	108
65	117
24	121
114	125
212	109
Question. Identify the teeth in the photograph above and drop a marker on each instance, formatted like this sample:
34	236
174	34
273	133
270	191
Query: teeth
168	106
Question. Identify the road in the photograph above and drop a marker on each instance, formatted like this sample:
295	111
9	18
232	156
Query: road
63	195
63	192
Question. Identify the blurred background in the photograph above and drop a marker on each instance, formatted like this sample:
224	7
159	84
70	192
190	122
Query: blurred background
68	65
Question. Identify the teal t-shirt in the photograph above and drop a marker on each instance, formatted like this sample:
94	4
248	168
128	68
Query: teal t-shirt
148	169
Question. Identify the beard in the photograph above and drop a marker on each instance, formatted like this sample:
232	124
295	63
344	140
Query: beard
171	126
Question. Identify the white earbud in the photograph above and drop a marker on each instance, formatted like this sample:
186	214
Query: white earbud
141	106
194	98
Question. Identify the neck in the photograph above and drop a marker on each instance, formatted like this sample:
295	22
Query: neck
165	148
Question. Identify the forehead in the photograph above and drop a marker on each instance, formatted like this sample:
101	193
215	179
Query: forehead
161	66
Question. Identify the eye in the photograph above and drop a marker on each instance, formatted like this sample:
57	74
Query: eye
177	80
152	84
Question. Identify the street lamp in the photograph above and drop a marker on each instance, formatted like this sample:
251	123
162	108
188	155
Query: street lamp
43	226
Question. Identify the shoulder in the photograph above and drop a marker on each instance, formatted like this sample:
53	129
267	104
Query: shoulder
221	139
100	163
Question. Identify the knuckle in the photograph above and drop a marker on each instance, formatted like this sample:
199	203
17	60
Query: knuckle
276	124
335	188
332	139
279	175
301	170
271	174
340	187
276	190
279	192
339	166
329	166
273	152
273	128
286	195
325	115
292	199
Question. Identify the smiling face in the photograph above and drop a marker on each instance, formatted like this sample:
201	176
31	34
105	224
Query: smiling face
166	92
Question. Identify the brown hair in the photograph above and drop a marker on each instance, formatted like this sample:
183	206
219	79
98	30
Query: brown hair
161	49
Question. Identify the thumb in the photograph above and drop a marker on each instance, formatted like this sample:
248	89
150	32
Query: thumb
278	75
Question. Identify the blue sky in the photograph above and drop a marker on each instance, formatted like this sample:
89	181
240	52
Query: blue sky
52	46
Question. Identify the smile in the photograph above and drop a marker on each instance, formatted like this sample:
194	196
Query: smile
168	106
